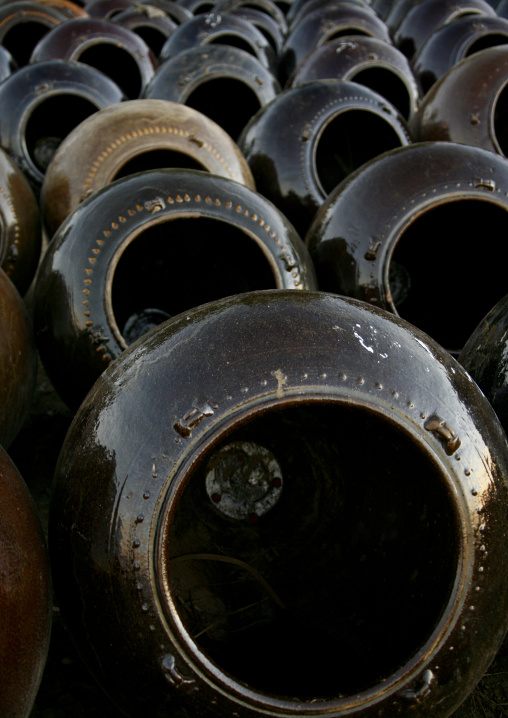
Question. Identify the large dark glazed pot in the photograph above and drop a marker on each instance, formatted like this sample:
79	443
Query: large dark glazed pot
20	227
206	77
130	137
43	103
469	104
285	504
146	248
309	138
25	595
18	361
407	254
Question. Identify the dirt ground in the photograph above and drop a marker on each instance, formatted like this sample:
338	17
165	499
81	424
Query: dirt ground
67	689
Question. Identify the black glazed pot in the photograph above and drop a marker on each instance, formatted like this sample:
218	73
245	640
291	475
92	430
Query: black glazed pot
45	102
148	247
130	137
230	72
25	595
262	496
23	24
402	255
18	361
469	104
153	28
309	138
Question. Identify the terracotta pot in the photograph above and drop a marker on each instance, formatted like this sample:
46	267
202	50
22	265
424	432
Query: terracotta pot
20	235
448	45
369	61
18	362
263	495
45	102
423	19
148	247
130	137
230	72
304	142
25	595
114	50
469	104
402	255
323	25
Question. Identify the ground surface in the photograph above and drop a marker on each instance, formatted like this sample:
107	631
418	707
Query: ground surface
67	689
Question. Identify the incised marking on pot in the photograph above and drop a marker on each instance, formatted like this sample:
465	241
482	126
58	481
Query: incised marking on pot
200	409
443	431
152	130
281	382
173	675
488	184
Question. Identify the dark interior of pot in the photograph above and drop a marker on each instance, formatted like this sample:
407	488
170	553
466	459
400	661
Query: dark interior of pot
447	269
151	36
213	98
21	38
492	39
180	264
157	159
117	63
307	565
50	123
388	84
347	141
501	120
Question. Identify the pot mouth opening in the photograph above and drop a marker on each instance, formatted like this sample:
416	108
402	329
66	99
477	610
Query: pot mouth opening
348	140
115	62
154	159
180	263
50	122
486	40
500	121
22	37
435	281
213	98
301	550
387	83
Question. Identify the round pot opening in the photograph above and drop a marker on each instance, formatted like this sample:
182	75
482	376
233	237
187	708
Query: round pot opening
442	278
347	141
213	98
388	84
500	121
115	62
50	122
21	39
151	36
157	159
489	40
181	263
333	551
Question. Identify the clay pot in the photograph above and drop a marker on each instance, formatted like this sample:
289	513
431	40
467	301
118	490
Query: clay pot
135	136
469	104
230	72
114	50
25	595
18	362
461	39
20	236
45	102
304	142
146	248
23	24
263	495
368	61
423	19
323	25
402	255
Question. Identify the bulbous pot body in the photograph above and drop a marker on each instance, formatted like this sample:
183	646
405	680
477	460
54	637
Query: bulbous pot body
20	235
468	104
424	19
148	247
371	62
401	255
130	137
304	142
18	361
485	358
232	473
459	40
115	50
230	72
25	595
45	102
